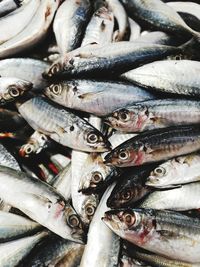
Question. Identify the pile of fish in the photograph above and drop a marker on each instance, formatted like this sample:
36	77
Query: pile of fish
99	133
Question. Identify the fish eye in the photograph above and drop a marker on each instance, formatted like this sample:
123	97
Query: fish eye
92	138
97	177
14	92
123	155
126	195
160	171
90	210
55	68
129	219
56	89
124	115
73	221
29	149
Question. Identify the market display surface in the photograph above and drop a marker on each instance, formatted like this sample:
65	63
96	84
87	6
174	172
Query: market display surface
99	133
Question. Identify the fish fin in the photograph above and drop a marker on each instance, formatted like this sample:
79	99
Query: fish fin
88	96
167	234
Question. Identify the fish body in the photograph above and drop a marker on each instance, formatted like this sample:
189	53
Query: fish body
7	159
156	145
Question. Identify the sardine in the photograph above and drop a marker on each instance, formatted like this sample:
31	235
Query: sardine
69	24
130	188
96	97
100	28
170	234
158	15
41	203
110	60
13	252
26	69
15	22
181	170
100	237
15	226
34	32
155	114
185	197
121	17
12	88
155	145
62	126
51	251
6	159
170	76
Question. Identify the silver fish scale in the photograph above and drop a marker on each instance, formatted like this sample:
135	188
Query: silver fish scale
7	159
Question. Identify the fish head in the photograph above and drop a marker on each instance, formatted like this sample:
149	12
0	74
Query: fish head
15	90
27	150
54	70
89	208
159	176
125	155
133	119
77	228
134	225
94	140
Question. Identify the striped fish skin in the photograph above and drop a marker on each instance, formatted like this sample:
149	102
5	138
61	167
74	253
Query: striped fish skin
155	145
166	233
62	126
155	114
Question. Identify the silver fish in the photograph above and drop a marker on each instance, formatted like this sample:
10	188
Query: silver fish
7	6
12	88
26	69
15	22
69	24
96	97
34	32
105	242
62	126
184	197
170	76
170	234
135	30
181	170
40	202
100	28
6	159
154	114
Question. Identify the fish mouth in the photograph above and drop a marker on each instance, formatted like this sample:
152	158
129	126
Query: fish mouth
108	160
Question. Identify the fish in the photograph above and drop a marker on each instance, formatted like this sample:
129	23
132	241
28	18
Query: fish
7	159
41	202
182	77
126	261
135	30
36	143
100	237
13	252
166	233
159	16
189	11
12	88
7	6
110	59
157	260
97	97
181	170
155	145
34	32
184	197
130	188
26	69
52	251
70	23
14	226
60	161
62	126
155	114
85	205
100	28
20	18
121	17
